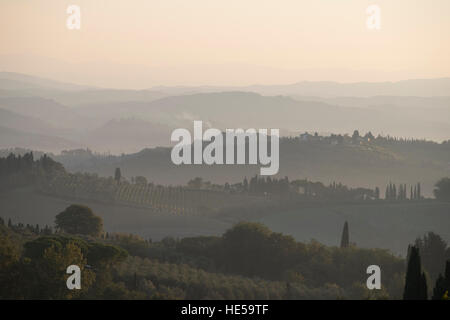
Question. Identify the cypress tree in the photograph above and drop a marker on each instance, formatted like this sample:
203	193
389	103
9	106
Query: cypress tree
419	196
442	286
345	239
423	293
439	288
415	283
117	175
447	274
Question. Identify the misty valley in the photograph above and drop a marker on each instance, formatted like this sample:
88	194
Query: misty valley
89	178
192	157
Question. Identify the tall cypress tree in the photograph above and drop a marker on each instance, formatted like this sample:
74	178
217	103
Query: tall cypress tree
447	274
377	192
419	196
245	184
415	283
442	286
345	239
117	175
423	293
439	288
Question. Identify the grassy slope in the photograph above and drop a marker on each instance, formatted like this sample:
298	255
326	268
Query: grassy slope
27	206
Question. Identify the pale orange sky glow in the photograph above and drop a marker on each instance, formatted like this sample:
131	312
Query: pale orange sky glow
143	43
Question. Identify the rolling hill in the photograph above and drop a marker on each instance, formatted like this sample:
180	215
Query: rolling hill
12	138
388	226
366	165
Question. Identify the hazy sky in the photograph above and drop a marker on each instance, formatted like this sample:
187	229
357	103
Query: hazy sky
141	43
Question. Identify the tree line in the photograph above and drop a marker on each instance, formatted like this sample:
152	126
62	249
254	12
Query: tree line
401	193
248	261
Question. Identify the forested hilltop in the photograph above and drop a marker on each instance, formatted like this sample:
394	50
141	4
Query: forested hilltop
122	257
197	197
385	216
357	160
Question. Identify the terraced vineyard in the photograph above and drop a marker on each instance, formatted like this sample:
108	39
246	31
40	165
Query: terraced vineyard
178	200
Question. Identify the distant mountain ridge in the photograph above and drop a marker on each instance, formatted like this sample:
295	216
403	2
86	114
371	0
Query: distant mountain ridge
18	81
411	87
99	118
12	138
368	164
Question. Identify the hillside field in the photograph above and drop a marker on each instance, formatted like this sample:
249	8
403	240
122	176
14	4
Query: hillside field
372	225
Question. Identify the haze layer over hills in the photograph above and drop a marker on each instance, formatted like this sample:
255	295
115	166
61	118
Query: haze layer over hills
82	116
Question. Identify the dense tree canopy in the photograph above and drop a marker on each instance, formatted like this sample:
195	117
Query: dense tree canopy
434	252
248	261
442	190
43	274
78	219
253	249
441	290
